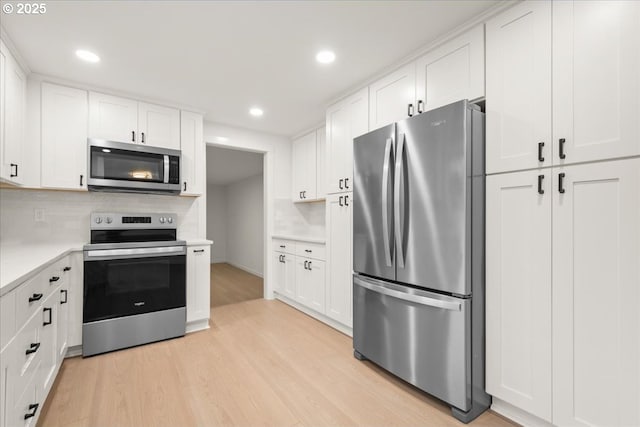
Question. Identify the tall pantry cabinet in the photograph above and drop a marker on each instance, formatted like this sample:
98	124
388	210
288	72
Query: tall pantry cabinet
563	227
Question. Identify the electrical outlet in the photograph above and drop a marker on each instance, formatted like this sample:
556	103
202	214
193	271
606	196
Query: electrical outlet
38	215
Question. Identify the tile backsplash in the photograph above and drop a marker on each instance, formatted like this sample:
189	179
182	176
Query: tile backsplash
65	214
299	219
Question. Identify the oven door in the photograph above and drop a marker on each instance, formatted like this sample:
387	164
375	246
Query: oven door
130	281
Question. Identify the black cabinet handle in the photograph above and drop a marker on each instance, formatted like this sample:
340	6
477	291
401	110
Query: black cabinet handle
410	110
11	174
185	186
54	279
32	348
33	408
346	200
308	251
66	269
340	201
561	182
540	189
305	265
133	135
309	265
420	110
561	142
142	137
81	177
35	297
346	183
66	297
283	246
50	321
304	194
340	184
195	251
540	146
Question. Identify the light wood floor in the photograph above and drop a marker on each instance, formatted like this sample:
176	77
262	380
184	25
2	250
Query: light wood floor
261	363
230	285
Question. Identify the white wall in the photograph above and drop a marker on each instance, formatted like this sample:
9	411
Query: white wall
245	225
217	221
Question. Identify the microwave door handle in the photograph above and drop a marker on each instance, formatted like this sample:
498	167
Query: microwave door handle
166	169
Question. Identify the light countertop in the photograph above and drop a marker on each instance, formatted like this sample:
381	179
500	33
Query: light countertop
309	239
198	242
18	262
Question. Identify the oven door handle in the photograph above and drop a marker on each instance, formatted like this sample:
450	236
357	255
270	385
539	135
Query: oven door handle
107	254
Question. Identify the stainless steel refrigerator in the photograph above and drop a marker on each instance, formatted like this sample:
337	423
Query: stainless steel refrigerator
418	253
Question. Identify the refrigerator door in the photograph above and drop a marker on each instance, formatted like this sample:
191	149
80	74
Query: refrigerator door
433	199
422	337
373	250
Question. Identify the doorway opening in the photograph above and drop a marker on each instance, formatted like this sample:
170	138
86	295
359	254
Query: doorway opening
235	223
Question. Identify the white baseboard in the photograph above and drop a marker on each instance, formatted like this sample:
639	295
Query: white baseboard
516	414
197	325
74	351
318	316
247	269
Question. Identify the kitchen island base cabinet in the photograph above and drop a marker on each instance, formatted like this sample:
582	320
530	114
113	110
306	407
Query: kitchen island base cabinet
198	287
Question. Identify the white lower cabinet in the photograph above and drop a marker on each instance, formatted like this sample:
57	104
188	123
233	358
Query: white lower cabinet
198	282
47	339
310	283
339	216
562	286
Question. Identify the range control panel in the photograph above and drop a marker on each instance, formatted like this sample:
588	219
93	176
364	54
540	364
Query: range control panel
105	221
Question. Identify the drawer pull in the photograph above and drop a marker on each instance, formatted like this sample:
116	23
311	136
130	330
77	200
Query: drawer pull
66	269
308	250
195	251
283	246
54	279
66	297
32	348
35	297
50	321
33	408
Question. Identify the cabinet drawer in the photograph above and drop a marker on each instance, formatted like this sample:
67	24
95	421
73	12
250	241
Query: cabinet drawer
23	365
286	246
310	250
29	297
24	404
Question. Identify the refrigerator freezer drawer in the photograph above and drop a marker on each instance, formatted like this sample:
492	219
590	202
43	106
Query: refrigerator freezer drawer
422	337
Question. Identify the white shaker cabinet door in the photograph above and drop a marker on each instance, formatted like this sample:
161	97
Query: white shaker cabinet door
159	126
65	114
193	160
198	282
304	168
321	162
113	118
596	294
13	95
518	107
518	286
290	285
596	80
339	214
452	71
278	272
392	98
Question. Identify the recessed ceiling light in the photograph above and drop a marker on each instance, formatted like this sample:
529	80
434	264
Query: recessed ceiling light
256	112
325	57
85	55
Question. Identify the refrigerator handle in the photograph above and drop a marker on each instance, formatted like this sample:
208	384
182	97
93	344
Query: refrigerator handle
385	202
399	172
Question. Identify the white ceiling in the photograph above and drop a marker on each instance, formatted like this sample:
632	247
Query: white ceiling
225	166
224	56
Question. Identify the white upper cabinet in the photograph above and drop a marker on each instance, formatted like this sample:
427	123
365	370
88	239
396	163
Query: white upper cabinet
113	118
126	120
518	290
346	120
518	105
596	80
64	137
321	162
193	153
596	294
451	72
392	98
13	86
304	168
159	126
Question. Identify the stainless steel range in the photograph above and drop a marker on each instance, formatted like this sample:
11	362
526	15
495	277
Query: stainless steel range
134	282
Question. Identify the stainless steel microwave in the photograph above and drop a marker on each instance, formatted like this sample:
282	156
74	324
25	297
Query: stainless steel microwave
126	167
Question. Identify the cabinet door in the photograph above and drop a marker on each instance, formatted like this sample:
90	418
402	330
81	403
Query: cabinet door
339	258
345	121
304	282
159	126
193	153
518	107
13	109
64	137
48	343
113	118
392	98
596	79
75	285
198	282
290	284
451	72
596	297
321	155
518	284
304	168
317	276
278	272
62	340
